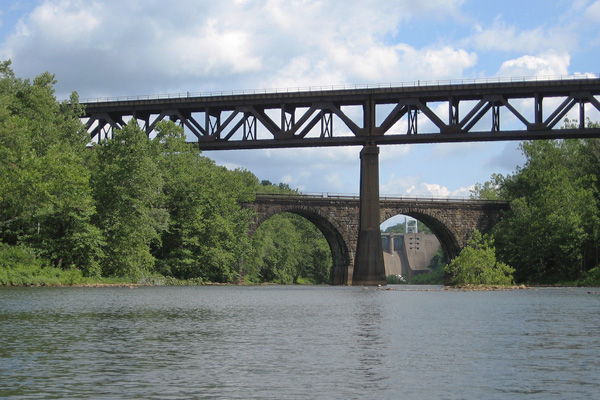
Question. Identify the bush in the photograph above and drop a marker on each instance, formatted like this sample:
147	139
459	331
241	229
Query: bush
395	279
591	277
19	266
477	265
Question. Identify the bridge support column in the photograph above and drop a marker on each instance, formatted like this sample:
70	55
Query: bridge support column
369	268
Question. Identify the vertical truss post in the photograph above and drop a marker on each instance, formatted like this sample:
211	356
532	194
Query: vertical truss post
495	118
107	129
212	123
538	109
453	112
581	114
288	118
412	121
249	126
326	124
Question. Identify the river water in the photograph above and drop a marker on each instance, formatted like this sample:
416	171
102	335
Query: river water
298	342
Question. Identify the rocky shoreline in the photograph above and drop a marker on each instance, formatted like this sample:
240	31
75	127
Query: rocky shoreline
464	288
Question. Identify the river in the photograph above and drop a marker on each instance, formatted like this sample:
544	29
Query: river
298	342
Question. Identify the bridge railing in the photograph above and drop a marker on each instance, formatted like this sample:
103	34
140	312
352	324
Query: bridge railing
347	196
417	83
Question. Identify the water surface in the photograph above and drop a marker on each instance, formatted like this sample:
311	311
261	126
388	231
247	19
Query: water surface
298	342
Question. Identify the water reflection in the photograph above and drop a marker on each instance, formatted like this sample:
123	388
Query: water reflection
370	344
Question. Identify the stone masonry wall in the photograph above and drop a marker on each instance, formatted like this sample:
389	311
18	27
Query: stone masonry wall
337	218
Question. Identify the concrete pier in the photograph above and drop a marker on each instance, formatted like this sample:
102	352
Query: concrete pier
369	268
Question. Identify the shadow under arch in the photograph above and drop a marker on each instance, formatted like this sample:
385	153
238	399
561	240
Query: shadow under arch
447	238
340	255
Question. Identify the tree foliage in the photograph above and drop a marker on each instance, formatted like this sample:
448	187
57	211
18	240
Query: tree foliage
553	215
551	231
131	206
490	190
437	272
477	264
45	196
289	247
206	237
128	189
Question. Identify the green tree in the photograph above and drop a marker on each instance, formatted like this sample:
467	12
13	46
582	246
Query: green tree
553	214
128	189
477	264
288	247
277	251
45	197
207	236
490	190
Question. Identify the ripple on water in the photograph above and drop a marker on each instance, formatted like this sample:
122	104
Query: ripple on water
297	342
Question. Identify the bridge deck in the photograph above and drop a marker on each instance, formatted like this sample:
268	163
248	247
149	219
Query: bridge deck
449	113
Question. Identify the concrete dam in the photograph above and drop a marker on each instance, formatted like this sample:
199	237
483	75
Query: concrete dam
408	254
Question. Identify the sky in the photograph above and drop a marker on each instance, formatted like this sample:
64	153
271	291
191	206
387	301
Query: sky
145	47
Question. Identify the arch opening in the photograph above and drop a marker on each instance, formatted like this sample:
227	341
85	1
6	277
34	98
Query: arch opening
416	247
294	245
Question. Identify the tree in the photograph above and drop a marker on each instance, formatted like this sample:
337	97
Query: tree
128	189
490	190
207	236
553	214
277	251
477	265
45	197
288	247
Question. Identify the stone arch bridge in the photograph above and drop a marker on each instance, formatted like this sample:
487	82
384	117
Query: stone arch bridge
337	217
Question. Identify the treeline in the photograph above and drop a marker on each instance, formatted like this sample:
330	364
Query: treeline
130	207
551	232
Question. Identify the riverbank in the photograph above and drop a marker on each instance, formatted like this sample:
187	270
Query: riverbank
464	288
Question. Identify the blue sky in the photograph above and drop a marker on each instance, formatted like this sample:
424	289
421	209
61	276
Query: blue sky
133	47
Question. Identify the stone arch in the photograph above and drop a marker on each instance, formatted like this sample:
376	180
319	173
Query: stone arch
443	230
340	254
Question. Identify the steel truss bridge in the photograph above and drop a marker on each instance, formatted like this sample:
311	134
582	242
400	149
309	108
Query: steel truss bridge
369	117
385	115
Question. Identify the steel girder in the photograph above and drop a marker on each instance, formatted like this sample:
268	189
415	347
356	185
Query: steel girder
395	115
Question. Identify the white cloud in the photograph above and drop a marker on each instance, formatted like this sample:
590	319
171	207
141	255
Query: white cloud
399	185
445	151
508	159
67	21
437	190
510	38
414	186
546	64
401	62
141	47
208	51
